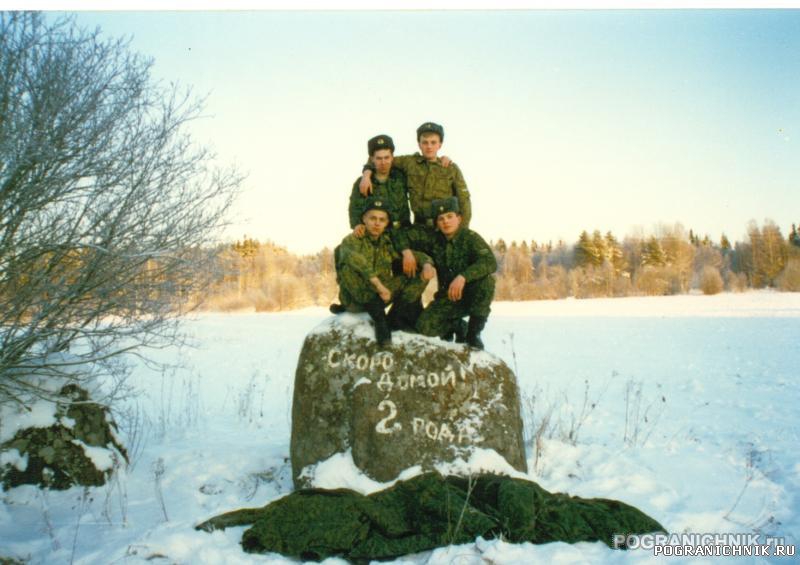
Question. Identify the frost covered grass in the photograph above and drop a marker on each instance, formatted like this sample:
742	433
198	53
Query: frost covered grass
684	406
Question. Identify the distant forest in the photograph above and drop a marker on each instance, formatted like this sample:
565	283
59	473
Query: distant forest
266	277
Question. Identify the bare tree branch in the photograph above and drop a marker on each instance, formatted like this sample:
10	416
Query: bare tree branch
107	208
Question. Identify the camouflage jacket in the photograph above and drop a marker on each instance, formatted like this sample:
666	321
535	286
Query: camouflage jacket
429	181
394	191
372	257
466	254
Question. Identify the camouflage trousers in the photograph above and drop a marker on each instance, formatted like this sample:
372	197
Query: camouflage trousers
355	290
442	315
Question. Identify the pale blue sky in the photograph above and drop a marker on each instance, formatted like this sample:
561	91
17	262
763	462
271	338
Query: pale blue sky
560	120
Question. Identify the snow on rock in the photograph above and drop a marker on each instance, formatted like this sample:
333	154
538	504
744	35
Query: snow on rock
39	414
477	461
339	471
102	458
15	459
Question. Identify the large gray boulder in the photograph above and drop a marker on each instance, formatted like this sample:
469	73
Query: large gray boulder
420	401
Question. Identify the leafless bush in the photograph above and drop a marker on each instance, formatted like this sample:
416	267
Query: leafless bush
711	280
538	425
653	281
641	421
736	282
547	419
158	474
789	279
106	206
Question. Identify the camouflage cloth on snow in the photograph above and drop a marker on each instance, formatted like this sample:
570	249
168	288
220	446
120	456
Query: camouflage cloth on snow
426	512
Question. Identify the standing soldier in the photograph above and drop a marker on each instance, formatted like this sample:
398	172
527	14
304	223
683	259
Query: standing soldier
369	274
464	266
428	180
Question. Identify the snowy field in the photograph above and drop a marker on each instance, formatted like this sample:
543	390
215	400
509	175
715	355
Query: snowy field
686	407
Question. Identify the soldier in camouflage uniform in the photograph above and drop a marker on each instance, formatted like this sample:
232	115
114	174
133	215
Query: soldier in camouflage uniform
370	277
464	266
389	186
428	179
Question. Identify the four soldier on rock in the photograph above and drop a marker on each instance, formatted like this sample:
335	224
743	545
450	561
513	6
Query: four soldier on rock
388	259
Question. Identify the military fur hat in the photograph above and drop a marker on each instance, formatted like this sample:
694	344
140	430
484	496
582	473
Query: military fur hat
430	127
444	205
374	203
379	142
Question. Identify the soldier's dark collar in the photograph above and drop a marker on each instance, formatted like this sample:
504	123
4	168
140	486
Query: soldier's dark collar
377	240
458	235
393	174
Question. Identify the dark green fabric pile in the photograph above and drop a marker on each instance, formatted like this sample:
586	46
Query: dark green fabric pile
426	512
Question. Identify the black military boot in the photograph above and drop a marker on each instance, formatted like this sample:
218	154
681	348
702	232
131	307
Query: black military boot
337	308
375	309
460	331
474	329
457	332
394	317
403	315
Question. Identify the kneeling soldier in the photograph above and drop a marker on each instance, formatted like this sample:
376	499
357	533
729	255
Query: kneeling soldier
464	266
370	275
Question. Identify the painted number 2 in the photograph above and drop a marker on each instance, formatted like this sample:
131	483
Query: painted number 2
381	427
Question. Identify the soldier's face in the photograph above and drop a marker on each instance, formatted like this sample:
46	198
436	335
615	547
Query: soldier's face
375	221
448	223
382	159
429	145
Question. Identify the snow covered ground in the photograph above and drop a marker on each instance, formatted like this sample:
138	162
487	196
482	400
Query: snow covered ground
686	407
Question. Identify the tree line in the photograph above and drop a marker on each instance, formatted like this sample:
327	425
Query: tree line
109	215
267	277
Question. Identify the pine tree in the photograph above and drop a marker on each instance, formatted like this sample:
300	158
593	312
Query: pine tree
768	252
615	254
600	251
585	251
794	237
652	253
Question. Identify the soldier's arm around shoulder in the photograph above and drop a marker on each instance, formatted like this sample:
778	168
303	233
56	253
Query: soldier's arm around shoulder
403	162
482	259
462	193
356	205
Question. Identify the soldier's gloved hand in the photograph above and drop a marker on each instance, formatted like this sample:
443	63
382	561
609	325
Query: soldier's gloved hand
409	263
445	161
359	230
456	288
365	186
428	272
